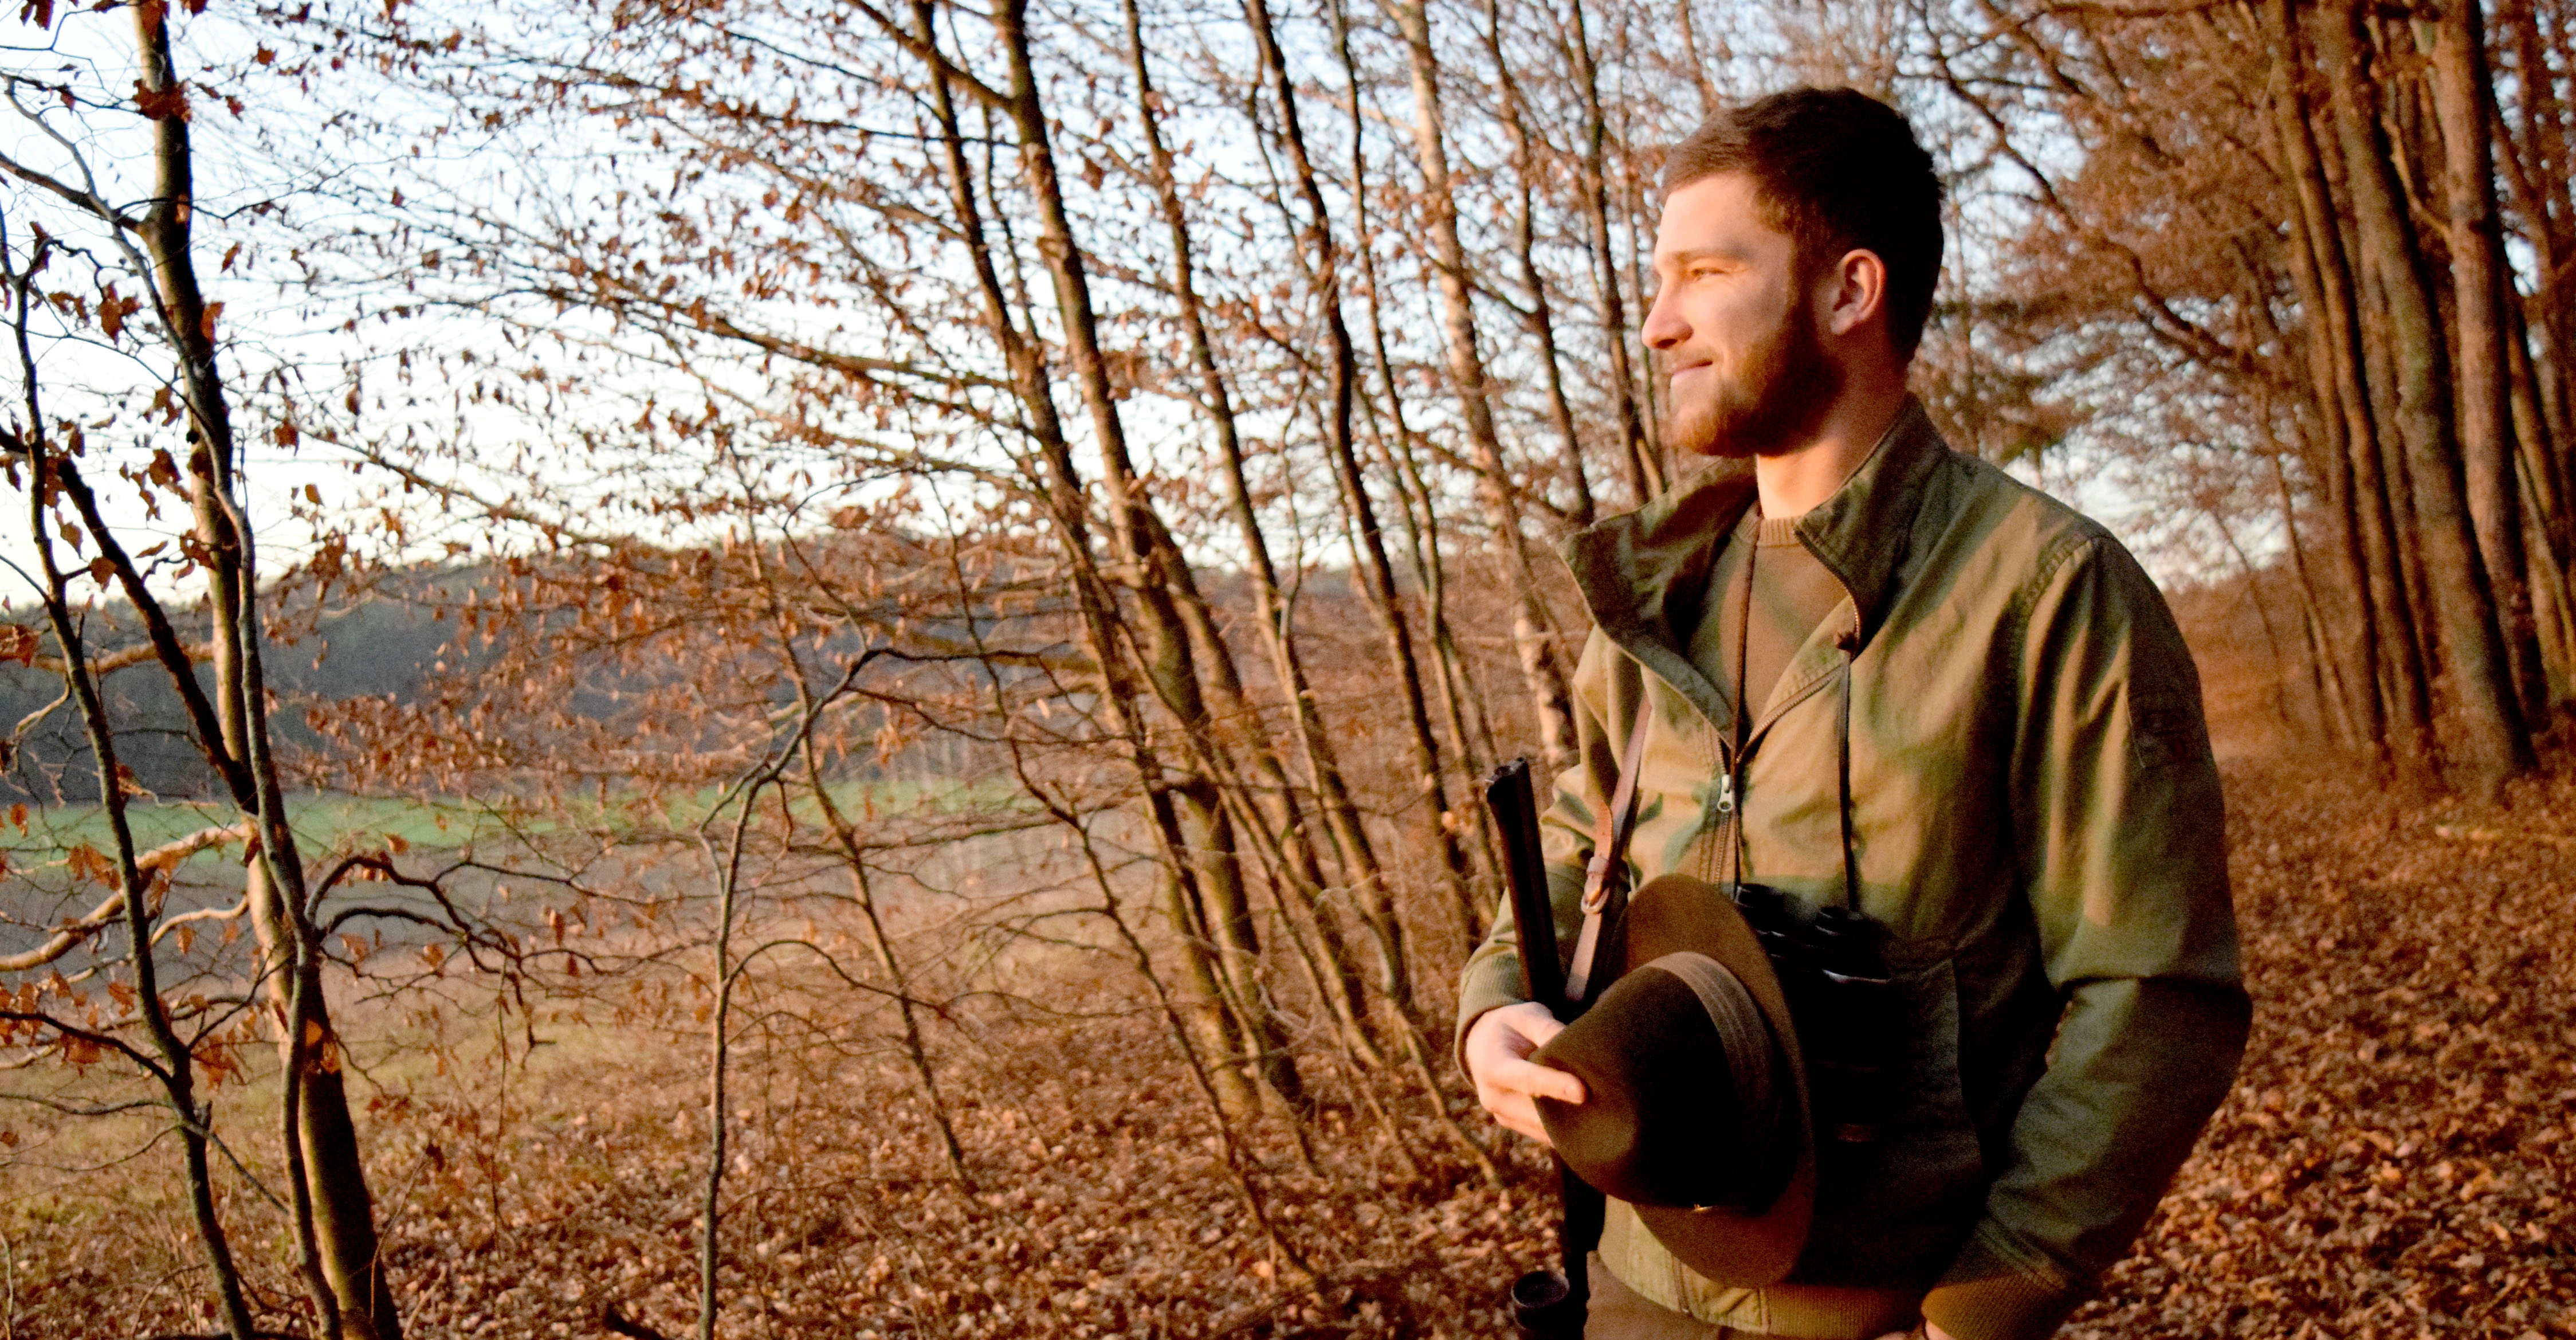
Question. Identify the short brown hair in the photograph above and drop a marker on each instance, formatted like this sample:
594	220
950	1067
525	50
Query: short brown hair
1838	171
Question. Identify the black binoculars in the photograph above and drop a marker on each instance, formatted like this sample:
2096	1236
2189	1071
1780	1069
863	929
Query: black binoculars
1833	968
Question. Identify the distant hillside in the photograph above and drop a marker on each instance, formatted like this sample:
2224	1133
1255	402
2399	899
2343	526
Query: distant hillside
387	642
379	644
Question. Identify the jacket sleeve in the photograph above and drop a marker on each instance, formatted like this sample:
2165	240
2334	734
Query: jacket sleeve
2123	858
1492	977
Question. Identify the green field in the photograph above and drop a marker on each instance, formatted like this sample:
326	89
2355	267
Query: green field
337	821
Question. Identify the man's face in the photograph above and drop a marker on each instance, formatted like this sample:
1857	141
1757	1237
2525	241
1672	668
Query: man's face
1734	326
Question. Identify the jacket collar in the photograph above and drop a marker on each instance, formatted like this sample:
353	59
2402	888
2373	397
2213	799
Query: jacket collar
1642	573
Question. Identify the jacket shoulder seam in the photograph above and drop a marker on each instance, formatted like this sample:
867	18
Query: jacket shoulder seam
2061	549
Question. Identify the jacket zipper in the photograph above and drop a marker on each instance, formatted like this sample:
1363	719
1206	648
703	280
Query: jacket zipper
1726	807
1734	759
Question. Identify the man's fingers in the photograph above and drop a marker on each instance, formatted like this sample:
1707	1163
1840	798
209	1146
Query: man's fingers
1538	1026
1506	1081
1557	1084
1538	1081
1517	1113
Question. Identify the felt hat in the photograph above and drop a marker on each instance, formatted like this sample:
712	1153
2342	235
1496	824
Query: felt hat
1695	1098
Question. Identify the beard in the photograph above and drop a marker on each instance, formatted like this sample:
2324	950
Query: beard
1773	406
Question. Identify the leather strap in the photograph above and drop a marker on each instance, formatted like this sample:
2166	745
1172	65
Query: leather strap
1609	858
1842	789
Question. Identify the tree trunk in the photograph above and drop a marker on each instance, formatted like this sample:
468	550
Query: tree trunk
1541	316
1686	12
340	1209
2342	412
2473	650
2535	166
2479	287
1647	475
176	1073
1156	570
1541	665
2390	573
1375	575
2545	532
1204	1012
1362	872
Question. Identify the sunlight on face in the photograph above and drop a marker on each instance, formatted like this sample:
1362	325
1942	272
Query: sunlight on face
1730	326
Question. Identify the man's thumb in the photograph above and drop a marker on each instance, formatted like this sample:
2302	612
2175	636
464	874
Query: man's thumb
1560	1085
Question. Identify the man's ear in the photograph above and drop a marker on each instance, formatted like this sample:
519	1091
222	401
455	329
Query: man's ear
1855	292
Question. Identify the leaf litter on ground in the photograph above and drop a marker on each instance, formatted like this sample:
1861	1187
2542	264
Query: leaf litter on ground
2394	1162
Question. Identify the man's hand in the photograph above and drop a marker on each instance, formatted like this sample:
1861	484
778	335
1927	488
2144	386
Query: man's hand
1498	1049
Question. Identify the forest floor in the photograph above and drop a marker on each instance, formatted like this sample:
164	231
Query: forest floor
2396	1158
2395	1161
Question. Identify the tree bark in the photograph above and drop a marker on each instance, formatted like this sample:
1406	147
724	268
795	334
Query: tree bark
2479	288
1363	873
1205	1010
2342	411
2473	651
1647	475
1542	667
335	1194
1156	574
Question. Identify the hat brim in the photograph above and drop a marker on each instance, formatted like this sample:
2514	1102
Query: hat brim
1677	914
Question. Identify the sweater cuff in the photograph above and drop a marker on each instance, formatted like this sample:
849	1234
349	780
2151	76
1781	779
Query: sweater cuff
1999	1289
1492	981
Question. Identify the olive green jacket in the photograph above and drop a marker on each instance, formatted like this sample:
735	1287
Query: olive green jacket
2036	817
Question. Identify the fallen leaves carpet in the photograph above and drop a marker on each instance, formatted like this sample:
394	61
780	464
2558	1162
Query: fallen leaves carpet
2395	1161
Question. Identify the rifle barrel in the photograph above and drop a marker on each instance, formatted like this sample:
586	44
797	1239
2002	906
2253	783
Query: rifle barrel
1514	802
1545	1305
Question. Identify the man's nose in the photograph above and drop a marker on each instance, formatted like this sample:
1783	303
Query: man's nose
1663	329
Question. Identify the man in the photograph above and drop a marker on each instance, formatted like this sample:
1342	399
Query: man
1962	688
